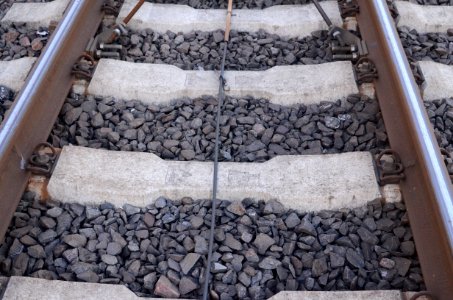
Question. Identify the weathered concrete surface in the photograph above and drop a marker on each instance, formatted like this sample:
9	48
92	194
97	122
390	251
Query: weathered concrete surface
306	183
35	15
284	20
285	85
425	18
438	80
28	288
14	72
343	295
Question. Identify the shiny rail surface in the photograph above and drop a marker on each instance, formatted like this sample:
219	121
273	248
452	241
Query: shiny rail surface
427	188
36	108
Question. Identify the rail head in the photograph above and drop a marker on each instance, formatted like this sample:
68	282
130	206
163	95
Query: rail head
427	188
36	107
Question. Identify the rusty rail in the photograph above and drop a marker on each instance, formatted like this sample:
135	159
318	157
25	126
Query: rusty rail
427	189
36	108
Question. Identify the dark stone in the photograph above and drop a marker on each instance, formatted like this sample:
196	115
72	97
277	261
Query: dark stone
165	288
189	262
355	258
319	267
263	242
269	263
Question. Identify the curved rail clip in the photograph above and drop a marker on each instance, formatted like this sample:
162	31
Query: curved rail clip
365	71
42	160
110	8
389	167
348	8
84	67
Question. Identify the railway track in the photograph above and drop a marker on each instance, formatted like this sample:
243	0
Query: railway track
329	183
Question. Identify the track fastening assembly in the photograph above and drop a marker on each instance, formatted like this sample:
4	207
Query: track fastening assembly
102	45
347	46
389	168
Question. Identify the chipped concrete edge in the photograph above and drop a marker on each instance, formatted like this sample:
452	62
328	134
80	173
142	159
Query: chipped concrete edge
28	288
301	182
36	15
284	20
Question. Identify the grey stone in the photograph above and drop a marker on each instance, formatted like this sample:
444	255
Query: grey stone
160	202
149	280
88	276
36	251
367	236
189	262
319	267
355	258
231	242
306	227
187	285
269	263
47	236
75	240
109	259
165	288
236	208
54	212
292	220
387	263
263	242
336	260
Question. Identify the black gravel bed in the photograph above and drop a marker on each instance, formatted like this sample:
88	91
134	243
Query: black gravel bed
431	2
440	114
251	129
260	249
3	285
6	101
436	47
246	51
256	4
16	41
6	4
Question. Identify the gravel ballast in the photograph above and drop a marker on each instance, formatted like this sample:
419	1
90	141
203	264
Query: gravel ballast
436	47
251	129
260	249
6	100
256	4
431	2
16	41
246	51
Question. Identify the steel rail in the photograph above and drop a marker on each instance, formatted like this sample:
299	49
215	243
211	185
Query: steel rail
36	107
426	189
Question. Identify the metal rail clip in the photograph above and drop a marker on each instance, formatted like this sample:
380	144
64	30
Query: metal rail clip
102	45
425	295
389	168
110	8
42	160
84	67
347	46
348	8
365	71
